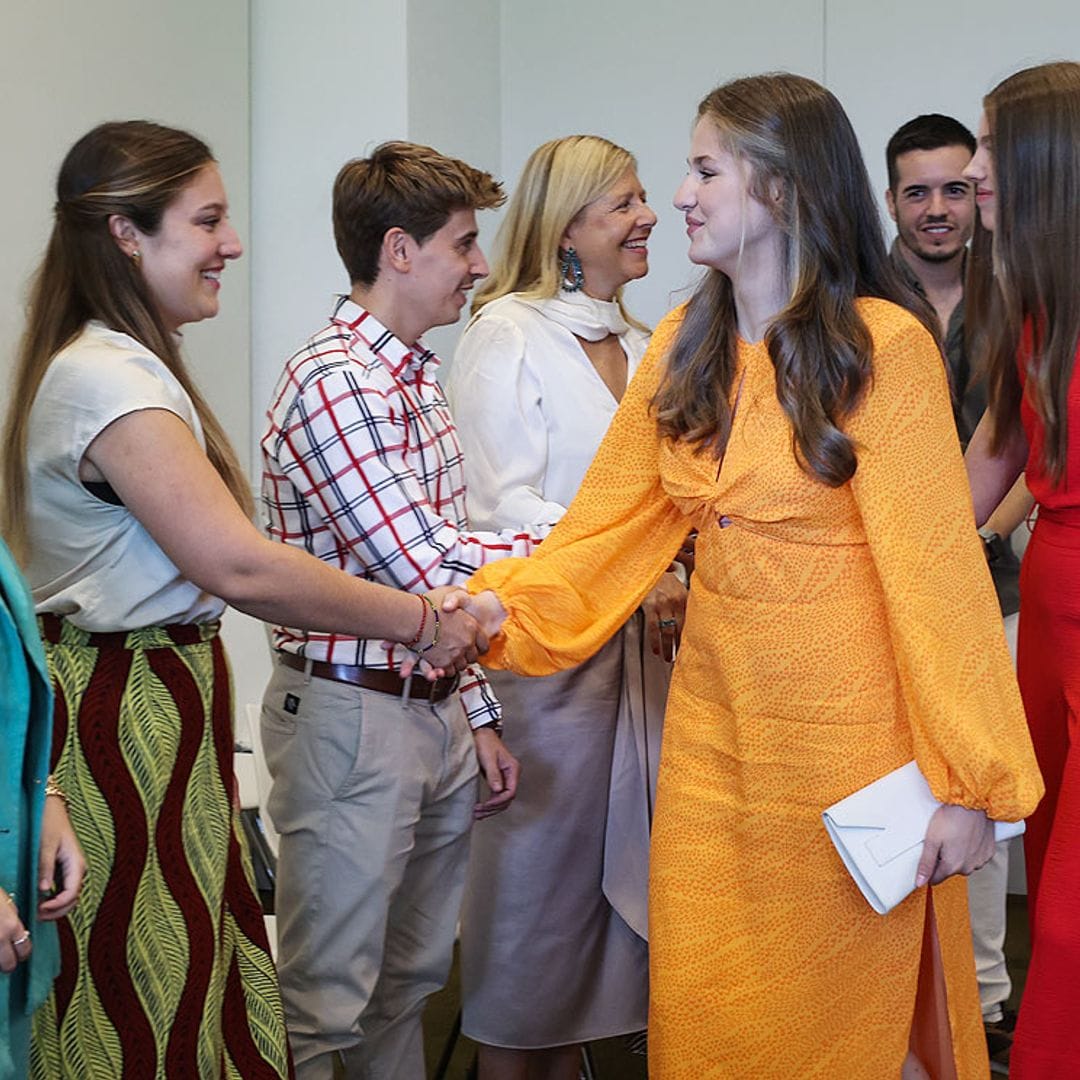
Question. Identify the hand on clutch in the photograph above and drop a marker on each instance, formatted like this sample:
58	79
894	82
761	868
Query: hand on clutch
958	841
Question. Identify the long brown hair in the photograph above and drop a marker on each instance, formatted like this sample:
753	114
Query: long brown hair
793	136
559	180
136	169
1033	119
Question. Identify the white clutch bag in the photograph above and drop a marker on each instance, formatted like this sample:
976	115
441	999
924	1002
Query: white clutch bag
879	832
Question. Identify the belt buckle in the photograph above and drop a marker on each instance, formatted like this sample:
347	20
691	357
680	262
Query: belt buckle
427	693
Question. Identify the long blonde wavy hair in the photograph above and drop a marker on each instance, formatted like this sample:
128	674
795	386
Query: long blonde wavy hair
558	181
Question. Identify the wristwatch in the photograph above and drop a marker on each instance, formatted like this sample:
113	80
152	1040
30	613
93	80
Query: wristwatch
991	543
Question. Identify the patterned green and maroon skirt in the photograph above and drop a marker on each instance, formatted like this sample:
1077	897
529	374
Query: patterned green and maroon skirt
165	966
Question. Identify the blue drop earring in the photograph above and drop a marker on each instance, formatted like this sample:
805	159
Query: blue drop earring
573	278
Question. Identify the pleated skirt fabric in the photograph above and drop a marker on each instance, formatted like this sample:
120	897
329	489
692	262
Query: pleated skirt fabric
165	965
546	957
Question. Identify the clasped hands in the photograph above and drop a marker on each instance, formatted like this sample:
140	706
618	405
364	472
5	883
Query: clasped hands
466	624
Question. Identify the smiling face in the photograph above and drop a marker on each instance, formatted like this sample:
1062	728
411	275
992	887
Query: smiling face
610	236
932	203
980	172
182	262
442	271
729	229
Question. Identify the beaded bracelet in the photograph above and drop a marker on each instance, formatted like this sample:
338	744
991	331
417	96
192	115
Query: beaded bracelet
424	603
53	788
435	639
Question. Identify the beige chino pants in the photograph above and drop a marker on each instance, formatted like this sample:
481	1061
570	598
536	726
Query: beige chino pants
373	799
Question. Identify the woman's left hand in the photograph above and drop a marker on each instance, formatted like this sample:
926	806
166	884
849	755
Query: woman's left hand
958	841
60	860
665	611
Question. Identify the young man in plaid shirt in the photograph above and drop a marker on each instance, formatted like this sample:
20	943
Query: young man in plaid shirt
374	777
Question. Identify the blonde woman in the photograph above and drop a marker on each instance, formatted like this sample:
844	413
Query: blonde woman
554	924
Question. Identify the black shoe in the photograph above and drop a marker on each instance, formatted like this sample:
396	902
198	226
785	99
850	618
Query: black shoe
999	1040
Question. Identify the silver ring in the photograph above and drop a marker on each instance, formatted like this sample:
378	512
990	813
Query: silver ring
21	940
666	624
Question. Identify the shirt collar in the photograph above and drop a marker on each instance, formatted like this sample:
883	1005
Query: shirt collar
904	268
384	344
908	274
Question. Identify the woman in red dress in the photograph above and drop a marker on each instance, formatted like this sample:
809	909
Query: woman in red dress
1026	173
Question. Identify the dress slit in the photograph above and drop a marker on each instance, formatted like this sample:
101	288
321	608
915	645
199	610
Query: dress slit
931	1033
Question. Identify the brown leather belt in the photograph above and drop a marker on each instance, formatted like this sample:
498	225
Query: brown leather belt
385	682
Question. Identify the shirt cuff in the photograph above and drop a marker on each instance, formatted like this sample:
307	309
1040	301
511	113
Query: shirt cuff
478	699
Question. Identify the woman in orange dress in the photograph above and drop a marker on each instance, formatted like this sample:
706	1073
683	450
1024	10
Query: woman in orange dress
841	619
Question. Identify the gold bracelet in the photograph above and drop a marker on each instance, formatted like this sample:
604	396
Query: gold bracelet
53	788
435	640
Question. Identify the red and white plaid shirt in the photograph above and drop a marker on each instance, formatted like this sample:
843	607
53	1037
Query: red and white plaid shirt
362	468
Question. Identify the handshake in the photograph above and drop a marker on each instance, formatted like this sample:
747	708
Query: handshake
466	623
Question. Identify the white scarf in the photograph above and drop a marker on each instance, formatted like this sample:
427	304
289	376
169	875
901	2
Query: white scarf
590	319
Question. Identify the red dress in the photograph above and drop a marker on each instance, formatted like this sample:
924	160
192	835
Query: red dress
1048	1036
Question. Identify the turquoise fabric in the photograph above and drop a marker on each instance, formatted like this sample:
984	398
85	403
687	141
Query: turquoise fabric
25	734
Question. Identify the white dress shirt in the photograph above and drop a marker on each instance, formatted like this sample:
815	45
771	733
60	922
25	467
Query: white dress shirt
529	406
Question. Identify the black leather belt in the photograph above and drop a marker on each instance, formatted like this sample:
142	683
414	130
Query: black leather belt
385	682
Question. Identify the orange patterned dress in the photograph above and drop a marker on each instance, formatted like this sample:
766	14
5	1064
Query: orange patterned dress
831	635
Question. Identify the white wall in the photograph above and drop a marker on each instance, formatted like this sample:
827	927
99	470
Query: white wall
890	62
327	84
634	73
65	67
483	79
455	76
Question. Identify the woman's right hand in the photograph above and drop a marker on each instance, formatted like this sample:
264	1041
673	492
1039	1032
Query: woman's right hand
15	944
958	841
484	606
461	639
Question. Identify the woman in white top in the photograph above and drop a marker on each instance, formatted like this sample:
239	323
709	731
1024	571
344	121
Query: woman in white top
554	922
132	517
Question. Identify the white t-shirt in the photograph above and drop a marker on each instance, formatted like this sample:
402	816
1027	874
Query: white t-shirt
529	407
92	561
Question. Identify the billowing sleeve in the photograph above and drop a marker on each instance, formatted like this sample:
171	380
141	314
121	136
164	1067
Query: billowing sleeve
618	536
497	406
963	705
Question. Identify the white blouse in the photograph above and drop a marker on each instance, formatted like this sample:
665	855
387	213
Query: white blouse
530	408
90	560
